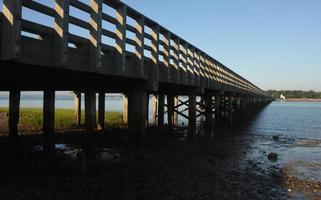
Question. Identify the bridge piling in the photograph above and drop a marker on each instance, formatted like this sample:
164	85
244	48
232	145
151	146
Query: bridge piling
49	120
14	108
77	107
101	110
90	111
161	110
191	116
170	114
208	116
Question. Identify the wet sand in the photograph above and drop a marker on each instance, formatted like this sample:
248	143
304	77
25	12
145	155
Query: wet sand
233	167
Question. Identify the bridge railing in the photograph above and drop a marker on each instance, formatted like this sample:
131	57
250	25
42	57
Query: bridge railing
120	41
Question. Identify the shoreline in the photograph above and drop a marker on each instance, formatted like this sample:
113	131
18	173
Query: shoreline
299	100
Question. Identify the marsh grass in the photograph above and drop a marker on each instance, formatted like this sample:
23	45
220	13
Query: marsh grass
31	119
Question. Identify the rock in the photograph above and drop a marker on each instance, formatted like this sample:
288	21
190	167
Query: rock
273	157
275	137
210	160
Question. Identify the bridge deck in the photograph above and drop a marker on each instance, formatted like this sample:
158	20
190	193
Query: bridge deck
154	56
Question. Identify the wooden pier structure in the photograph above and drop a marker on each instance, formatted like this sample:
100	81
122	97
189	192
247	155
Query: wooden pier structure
145	59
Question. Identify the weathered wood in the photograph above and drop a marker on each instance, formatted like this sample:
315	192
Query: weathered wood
61	33
170	114
11	29
95	35
120	59
48	112
90	111
77	107
154	109
125	109
208	115
139	45
101	110
176	70
191	116
166	55
14	108
161	109
137	117
175	117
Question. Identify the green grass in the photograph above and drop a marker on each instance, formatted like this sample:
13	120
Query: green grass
31	118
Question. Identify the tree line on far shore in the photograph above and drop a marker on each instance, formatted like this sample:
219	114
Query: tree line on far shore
295	94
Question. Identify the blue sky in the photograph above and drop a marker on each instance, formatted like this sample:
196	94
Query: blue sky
276	44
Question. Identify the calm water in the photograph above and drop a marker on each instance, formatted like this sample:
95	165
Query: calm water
290	119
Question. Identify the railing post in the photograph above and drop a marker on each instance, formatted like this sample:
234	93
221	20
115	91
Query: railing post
11	29
61	33
155	52
139	47
120	60
95	35
176	59
190	65
166	40
185	62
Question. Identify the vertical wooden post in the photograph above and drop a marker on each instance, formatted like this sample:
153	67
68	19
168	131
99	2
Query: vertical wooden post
14	108
155	52
138	119
191	116
120	59
170	114
11	29
139	47
49	112
77	108
176	75
147	109
190	69
90	111
95	35
167	57
101	110
218	111
61	32
125	109
175	119
208	116
161	107
154	107
185	62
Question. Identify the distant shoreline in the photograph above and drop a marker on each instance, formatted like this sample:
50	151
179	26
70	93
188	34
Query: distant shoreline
300	100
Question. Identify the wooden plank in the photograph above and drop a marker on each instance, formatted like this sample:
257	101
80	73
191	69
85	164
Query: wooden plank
120	59
11	30
33	5
61	33
79	22
80	5
95	35
109	18
108	33
35	28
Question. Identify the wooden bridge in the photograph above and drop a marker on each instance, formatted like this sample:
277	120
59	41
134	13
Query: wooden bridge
145	58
